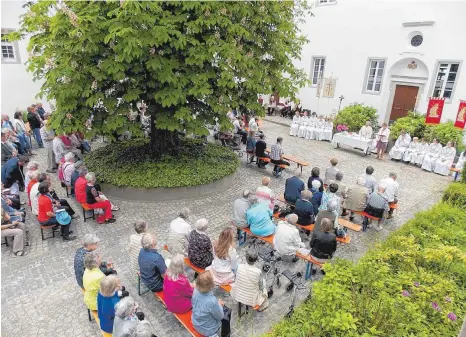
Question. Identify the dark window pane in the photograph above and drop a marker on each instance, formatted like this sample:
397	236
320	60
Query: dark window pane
377	87
447	94
454	67
451	77
436	93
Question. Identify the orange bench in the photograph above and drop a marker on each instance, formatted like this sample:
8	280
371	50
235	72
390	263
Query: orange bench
86	208
184	319
348	224
393	206
310	228
96	318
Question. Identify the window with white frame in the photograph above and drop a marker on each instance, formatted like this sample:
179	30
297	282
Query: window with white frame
445	80
9	50
318	66
374	75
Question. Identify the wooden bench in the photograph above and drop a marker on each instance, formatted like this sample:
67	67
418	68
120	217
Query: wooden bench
86	208
269	239
47	227
366	216
184	319
348	224
93	313
299	162
393	206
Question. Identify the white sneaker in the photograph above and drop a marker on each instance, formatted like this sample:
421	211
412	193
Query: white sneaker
378	228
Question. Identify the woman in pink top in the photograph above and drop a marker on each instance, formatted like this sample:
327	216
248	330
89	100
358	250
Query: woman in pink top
176	287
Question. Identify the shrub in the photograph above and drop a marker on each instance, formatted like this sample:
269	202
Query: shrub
131	164
456	195
355	116
444	132
406	286
413	124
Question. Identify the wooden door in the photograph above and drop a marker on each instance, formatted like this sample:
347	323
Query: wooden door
404	101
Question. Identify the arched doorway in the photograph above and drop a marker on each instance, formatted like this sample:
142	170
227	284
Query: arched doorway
408	78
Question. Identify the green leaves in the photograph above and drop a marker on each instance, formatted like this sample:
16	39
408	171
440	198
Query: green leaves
355	116
172	55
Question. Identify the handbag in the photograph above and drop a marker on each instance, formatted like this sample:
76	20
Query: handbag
226	329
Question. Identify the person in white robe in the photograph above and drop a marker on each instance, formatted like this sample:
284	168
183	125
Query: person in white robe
318	129
460	165
366	131
418	156
303	127
447	156
431	156
408	155
310	126
328	130
401	145
295	124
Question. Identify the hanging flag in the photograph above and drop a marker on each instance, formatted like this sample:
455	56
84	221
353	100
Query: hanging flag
319	86
329	87
461	116
434	110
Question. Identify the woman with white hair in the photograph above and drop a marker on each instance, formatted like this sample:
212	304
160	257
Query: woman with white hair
179	233
357	197
176	287
259	218
32	166
127	318
109	295
94	200
68	167
91	279
265	194
329	213
33	178
151	264
200	248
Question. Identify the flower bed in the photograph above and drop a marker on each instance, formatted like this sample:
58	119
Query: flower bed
413	284
131	164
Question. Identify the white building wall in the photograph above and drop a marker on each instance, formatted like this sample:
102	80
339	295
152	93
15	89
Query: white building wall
350	32
18	87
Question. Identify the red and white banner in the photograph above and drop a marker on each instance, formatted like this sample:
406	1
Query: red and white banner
461	116
434	110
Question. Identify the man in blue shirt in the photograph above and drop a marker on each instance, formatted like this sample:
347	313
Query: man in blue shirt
151	264
293	188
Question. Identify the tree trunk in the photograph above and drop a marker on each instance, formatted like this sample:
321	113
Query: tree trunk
162	141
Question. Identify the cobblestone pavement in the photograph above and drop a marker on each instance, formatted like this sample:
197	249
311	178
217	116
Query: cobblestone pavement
39	292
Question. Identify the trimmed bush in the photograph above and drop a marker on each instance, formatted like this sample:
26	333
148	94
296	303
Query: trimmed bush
413	284
131	164
355	116
413	124
445	132
456	195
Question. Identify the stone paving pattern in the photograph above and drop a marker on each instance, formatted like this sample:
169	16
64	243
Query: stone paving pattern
40	296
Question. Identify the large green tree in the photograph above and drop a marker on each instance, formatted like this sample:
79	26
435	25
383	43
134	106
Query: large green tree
189	61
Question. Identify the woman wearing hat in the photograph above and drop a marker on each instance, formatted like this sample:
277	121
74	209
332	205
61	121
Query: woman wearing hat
48	216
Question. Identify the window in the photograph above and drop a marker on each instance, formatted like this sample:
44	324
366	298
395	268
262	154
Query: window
445	80
374	76
9	50
327	2
317	69
416	40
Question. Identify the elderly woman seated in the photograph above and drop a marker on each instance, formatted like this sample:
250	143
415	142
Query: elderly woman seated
68	168
250	286
31	166
109	295
259	218
208	312
94	200
179	233
176	287
323	243
13	230
127	318
91	279
329	213
264	194
225	258
304	208
287	240
330	194
200	248
143	329
357	197
151	264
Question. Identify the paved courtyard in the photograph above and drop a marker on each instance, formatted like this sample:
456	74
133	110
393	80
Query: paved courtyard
40	296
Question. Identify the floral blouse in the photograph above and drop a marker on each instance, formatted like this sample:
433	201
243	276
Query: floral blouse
200	249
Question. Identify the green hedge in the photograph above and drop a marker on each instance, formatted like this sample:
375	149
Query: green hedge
355	116
456	195
131	164
413	284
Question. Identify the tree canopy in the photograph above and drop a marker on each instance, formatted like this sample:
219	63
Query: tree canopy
189	61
